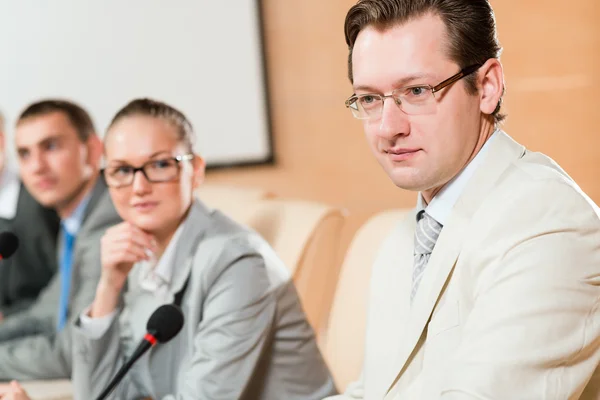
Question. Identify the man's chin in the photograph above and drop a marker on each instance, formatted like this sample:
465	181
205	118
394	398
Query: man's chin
408	186
406	179
46	200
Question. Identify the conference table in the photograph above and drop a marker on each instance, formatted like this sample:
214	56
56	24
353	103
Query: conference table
49	390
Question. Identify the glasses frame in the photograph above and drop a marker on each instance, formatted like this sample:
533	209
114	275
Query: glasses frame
434	89
178	160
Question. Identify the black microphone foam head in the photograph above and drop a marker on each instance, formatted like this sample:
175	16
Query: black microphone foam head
9	242
165	322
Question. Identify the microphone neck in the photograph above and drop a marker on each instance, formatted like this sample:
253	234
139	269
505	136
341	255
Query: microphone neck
150	338
145	345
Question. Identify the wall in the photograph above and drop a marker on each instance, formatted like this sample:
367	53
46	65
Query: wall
552	64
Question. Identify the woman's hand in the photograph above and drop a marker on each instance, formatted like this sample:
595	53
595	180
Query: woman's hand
13	391
122	246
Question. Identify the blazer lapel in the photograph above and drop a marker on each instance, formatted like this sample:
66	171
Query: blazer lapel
97	192
196	226
502	152
393	313
439	267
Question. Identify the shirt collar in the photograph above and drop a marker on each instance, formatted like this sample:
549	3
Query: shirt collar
9	194
164	267
73	222
442	204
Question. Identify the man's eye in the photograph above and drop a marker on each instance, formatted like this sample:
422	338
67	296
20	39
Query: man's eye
51	145
417	91
367	99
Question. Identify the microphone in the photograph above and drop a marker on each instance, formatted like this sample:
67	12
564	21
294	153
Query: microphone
163	325
9	242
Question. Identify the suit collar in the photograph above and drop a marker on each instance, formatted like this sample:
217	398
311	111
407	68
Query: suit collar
73	222
96	194
442	204
174	266
502	152
197	223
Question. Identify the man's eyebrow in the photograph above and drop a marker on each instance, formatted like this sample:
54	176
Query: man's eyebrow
46	140
405	81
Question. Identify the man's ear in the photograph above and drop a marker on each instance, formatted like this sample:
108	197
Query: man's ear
491	83
94	149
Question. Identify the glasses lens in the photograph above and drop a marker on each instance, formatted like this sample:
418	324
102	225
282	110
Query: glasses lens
415	100
118	176
365	106
161	170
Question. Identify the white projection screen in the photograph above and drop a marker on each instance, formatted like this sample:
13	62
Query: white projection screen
204	57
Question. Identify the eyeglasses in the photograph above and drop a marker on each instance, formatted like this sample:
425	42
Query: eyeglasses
413	100
155	171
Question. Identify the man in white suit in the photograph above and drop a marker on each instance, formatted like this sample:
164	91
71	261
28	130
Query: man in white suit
490	289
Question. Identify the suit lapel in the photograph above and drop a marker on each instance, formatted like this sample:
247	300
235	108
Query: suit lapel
97	193
395	278
95	196
502	152
196	226
439	267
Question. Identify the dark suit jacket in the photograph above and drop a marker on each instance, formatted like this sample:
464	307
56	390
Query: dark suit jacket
30	347
29	270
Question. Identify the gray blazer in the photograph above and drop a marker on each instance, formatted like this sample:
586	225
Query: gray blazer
245	334
30	347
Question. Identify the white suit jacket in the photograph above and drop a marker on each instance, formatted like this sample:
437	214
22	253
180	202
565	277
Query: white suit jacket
509	304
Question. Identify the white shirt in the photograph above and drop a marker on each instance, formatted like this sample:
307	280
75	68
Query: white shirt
9	193
441	205
155	277
73	222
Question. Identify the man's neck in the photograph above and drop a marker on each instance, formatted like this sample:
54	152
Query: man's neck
70	205
487	130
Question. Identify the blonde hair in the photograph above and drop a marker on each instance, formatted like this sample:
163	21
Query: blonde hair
164	111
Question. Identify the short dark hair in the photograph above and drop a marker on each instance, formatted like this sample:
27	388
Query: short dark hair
79	118
164	111
470	24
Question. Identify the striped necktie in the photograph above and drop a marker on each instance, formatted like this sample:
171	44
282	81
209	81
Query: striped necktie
426	234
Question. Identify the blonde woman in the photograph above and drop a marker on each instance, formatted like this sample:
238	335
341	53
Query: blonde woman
245	334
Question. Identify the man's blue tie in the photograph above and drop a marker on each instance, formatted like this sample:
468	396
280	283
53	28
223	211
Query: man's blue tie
65	277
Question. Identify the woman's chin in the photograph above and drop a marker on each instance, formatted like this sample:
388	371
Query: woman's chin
146	223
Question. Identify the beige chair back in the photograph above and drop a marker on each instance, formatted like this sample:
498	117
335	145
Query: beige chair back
342	341
239	203
306	235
